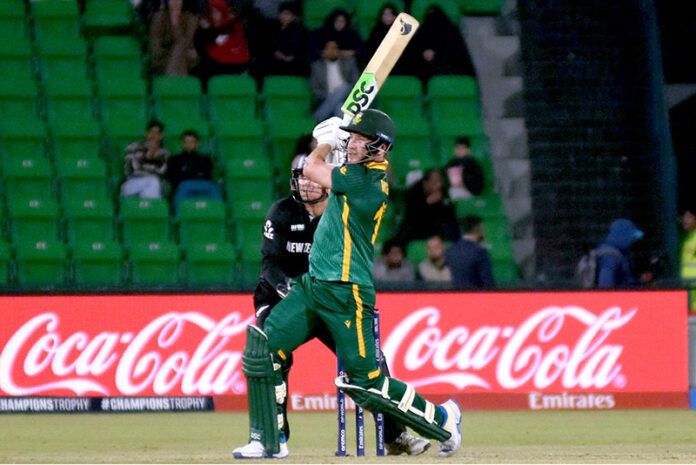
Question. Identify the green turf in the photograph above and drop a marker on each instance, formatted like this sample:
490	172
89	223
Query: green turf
622	436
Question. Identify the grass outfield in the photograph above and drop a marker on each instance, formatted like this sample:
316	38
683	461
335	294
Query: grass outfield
621	436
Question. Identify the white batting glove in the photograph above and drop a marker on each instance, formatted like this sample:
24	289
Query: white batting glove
328	132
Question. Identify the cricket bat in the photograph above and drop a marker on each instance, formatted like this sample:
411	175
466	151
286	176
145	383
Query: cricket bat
379	66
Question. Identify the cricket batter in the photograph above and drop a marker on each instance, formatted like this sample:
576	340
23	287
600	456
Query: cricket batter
287	240
338	293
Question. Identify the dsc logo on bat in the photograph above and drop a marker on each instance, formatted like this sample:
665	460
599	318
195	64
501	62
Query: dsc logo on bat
362	94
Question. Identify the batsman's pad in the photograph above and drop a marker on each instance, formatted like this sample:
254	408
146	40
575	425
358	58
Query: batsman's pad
402	409
262	391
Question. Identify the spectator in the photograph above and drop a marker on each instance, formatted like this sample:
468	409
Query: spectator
467	259
172	48
269	8
287	45
145	163
434	268
428	211
337	28
614	267
385	18
464	173
392	265
222	42
190	172
440	47
332	77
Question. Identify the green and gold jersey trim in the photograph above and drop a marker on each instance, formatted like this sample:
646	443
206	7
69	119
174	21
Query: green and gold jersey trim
377	165
347	241
358	320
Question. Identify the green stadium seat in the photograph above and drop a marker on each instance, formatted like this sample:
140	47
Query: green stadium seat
117	58
250	268
77	137
366	12
27	176
283	135
412	150
401	97
417	251
177	98
81	178
18	98
124	106
16	60
249	218
315	11
201	221
12	22
287	98
33	218
69	100
173	128
211	263
55	19
89	219
107	16
144	220
454	104
63	59
480	7
505	272
98	263
154	263
449	7
239	138
232	97
41	262
484	206
248	167
22	137
5	263
249	190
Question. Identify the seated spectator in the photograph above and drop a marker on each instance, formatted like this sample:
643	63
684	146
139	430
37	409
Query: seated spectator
440	47
287	44
392	265
614	268
332	78
222	42
145	164
428	211
434	268
268	9
467	259
172	49
464	173
385	18
337	28
190	173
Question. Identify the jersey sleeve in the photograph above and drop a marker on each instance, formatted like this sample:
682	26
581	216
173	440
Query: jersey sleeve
350	180
273	245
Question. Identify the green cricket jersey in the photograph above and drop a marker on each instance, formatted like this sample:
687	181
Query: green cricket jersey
343	248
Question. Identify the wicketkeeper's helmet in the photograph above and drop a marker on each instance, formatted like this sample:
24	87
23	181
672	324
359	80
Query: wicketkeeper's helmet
295	183
376	126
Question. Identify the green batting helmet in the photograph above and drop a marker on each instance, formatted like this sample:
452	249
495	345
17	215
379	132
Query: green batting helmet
373	124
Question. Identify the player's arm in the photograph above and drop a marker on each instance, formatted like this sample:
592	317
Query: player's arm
328	136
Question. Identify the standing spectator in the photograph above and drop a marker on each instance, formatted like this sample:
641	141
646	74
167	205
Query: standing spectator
337	28
428	211
393	265
145	163
171	40
332	77
467	259
464	173
287	45
222	42
614	267
190	172
434	268
385	18
440	47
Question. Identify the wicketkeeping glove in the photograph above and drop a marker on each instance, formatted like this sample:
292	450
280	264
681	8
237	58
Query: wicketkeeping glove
328	132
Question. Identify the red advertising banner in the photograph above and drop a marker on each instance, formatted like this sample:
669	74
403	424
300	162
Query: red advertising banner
489	350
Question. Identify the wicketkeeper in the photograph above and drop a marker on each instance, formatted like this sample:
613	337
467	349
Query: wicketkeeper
338	293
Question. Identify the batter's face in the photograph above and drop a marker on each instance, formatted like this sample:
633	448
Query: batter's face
309	190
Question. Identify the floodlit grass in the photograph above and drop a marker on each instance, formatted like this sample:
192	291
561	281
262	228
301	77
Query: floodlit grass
621	436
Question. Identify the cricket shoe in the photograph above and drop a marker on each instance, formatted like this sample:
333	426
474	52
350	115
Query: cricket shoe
453	419
407	443
255	450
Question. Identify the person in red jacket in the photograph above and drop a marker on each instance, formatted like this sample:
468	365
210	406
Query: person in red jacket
221	42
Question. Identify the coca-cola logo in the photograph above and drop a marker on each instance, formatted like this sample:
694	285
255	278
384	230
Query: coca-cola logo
532	354
150	360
